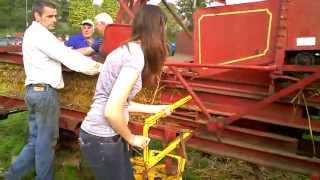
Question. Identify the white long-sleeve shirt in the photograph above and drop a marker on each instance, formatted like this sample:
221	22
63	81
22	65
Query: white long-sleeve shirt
43	55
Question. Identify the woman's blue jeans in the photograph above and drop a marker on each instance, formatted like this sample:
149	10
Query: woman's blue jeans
108	157
44	110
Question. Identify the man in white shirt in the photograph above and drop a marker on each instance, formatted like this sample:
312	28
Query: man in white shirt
43	55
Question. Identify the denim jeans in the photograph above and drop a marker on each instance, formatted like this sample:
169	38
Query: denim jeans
108	157
38	153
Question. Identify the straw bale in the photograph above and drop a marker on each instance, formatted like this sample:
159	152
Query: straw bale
12	79
77	93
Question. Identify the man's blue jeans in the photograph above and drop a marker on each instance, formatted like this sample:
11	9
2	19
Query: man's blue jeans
43	107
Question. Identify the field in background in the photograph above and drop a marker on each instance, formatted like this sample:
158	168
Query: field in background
68	167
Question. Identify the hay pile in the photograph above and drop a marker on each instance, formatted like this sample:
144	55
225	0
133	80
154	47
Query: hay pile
11	80
77	93
204	166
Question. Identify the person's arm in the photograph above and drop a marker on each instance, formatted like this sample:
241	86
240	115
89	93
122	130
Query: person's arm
146	108
70	58
114	107
68	43
86	51
95	47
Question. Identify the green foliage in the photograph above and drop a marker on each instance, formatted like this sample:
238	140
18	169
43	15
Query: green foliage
172	25
307	136
63	14
63	10
80	10
83	9
64	28
70	14
185	9
109	6
13	15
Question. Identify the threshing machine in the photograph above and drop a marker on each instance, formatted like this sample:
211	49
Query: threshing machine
253	72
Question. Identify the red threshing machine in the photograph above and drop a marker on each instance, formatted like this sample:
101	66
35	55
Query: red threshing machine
253	72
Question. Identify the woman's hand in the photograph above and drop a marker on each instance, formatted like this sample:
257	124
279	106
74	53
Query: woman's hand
139	141
165	108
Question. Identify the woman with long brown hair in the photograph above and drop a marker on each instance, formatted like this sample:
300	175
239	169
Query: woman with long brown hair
104	132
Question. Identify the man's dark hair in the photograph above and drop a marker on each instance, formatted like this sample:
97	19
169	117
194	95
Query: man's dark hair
39	6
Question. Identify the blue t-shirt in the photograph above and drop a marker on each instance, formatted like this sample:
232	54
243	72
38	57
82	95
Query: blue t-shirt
78	41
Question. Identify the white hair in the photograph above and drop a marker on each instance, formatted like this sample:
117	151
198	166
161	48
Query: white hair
103	18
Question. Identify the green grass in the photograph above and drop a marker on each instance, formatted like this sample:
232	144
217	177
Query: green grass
12	138
200	166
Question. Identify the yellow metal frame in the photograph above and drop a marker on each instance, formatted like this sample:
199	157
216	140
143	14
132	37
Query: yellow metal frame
152	157
267	11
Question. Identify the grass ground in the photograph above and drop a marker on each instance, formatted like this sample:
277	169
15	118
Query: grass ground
67	163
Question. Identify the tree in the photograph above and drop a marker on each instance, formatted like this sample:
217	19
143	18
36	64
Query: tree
111	7
63	9
80	10
63	15
186	9
83	9
12	15
172	25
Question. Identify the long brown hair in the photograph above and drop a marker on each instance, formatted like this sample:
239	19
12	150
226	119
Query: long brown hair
149	27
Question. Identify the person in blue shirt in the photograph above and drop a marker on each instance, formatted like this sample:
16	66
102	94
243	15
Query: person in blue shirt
85	39
173	48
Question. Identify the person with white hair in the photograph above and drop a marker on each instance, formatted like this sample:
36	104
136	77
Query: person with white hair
101	21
